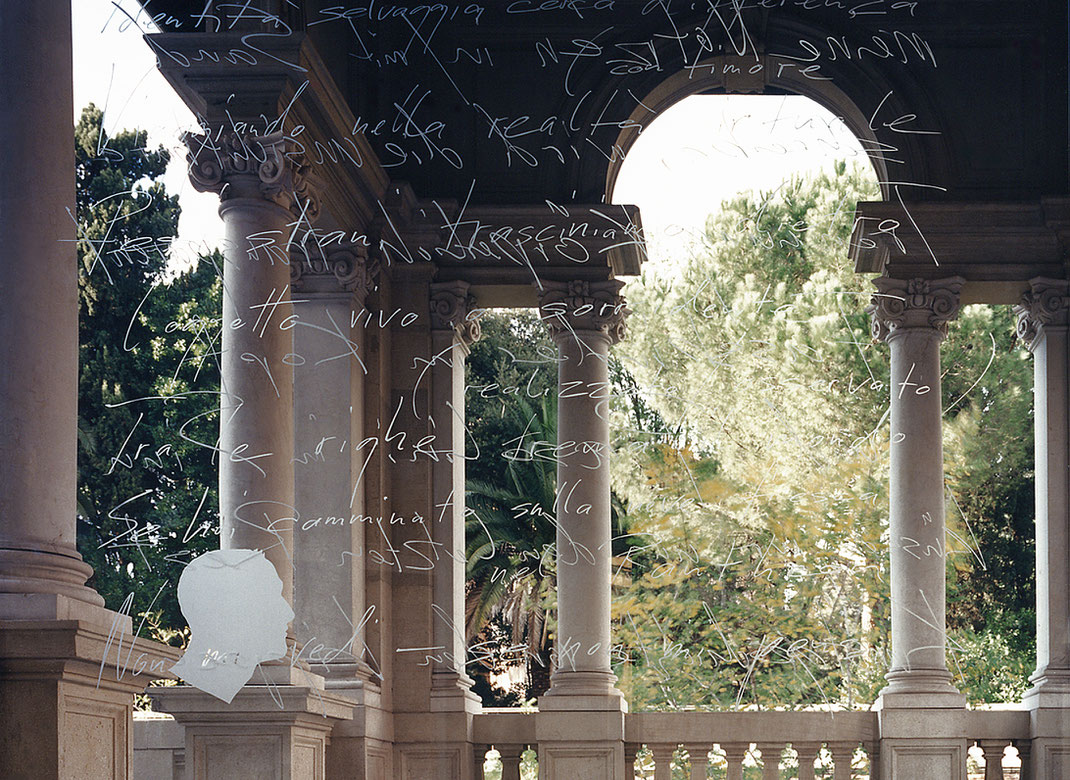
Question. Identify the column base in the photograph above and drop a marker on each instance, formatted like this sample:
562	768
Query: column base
41	572
598	688
70	685
1051	690
920	689
451	691
279	730
347	676
919	730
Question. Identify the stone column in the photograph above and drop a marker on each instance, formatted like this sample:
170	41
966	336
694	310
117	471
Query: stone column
580	725
584	319
279	724
453	330
66	692
1042	327
330	286
912	316
39	317
258	185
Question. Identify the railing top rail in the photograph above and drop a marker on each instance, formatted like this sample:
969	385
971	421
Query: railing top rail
513	726
504	726
769	725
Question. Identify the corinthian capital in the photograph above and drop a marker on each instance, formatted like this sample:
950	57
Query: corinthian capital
345	267
566	307
451	309
244	165
914	303
1046	305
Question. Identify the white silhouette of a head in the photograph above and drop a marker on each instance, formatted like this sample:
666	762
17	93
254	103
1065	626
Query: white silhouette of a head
232	600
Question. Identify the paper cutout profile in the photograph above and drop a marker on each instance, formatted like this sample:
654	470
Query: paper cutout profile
232	601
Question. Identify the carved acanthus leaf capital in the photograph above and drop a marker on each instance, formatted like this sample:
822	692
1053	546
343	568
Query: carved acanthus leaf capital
899	304
244	165
335	267
453	308
1046	305
579	305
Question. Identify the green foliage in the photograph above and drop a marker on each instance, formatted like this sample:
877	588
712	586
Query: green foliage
514	360
988	456
762	485
511	542
764	490
149	378
511	384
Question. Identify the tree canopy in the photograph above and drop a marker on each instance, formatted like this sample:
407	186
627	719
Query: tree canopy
766	490
148	382
750	471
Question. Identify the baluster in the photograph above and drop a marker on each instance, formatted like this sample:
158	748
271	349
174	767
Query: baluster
807	753
1025	751
510	755
662	761
700	759
993	752
631	751
734	752
842	753
770	760
534	755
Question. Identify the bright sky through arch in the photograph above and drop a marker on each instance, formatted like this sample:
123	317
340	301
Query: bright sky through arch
706	148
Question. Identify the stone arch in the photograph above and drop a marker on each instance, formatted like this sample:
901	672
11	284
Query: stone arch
720	79
867	92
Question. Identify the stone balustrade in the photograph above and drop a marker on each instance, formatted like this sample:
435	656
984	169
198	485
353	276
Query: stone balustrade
839	746
730	745
726	742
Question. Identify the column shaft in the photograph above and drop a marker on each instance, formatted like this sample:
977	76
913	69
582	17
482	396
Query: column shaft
584	565
912	317
1042	326
447	524
917	504
1051	446
328	489
584	317
452	331
38	306
256	498
259	183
